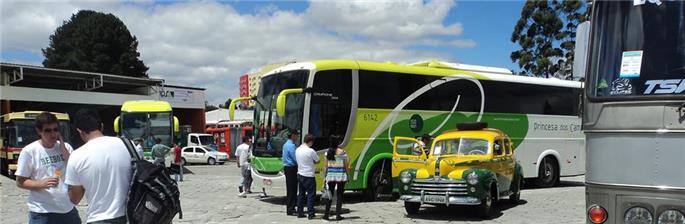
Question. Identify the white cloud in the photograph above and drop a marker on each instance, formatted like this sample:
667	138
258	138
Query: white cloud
209	45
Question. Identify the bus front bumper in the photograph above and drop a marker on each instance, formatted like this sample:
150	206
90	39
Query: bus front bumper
441	199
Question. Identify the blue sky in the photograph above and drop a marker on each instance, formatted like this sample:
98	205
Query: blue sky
210	44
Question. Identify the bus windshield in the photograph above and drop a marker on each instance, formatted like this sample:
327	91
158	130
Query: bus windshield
23	132
461	146
148	126
272	130
638	50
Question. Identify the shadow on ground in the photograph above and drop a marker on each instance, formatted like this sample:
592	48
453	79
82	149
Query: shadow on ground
530	184
460	213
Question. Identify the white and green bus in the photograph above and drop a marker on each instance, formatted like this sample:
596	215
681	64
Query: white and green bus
369	103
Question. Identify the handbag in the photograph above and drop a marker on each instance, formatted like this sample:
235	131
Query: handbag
326	194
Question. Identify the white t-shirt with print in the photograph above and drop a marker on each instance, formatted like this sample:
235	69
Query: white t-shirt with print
306	159
37	163
243	153
103	167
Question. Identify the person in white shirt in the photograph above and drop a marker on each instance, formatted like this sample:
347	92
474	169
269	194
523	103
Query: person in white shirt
243	154
100	170
139	147
306	158
39	169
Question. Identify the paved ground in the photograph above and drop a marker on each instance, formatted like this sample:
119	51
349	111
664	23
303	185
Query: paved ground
209	196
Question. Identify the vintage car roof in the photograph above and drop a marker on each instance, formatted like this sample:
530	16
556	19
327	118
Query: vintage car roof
487	133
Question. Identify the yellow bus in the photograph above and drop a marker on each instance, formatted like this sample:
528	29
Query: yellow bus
18	129
149	120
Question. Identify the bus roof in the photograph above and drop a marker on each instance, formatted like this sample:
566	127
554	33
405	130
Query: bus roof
434	68
146	106
29	114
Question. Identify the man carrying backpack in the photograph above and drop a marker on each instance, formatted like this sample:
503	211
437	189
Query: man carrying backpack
100	170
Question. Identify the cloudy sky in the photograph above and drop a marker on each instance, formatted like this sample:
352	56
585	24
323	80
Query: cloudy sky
209	44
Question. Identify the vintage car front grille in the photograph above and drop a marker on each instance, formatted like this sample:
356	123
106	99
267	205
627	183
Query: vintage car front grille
439	187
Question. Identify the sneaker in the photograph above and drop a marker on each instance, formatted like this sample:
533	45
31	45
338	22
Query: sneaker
338	217
311	217
243	194
240	189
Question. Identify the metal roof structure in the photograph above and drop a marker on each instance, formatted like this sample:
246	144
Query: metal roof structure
39	77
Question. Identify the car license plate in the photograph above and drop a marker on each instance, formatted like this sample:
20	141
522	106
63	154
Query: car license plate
434	199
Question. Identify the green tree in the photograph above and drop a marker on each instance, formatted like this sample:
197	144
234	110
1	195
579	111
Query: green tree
546	34
95	42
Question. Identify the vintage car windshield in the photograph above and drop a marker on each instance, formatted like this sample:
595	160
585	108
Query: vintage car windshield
461	146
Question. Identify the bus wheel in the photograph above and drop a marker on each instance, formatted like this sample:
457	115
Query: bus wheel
211	161
380	183
412	208
548	174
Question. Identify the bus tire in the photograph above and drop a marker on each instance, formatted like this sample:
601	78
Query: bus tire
211	161
380	182
548	172
412	208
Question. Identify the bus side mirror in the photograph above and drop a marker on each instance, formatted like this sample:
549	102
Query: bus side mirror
280	101
231	106
116	125
177	126
581	50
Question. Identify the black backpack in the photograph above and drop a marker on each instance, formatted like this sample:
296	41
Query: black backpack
153	196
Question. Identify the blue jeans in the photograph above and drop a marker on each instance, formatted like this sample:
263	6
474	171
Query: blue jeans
47	218
119	220
307	186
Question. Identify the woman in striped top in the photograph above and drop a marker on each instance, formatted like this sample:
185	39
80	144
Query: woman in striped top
336	174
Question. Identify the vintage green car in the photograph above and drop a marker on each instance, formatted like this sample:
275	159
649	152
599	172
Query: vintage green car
472	165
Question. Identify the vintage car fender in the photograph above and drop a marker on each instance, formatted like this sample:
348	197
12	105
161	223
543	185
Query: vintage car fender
485	179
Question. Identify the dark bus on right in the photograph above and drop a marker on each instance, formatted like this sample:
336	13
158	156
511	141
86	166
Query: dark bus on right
634	112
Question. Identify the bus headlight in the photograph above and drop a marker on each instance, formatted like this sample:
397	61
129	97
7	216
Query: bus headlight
638	215
405	177
671	217
472	178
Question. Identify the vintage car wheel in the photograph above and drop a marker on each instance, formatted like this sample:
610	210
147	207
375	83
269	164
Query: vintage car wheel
211	161
412	208
487	208
516	197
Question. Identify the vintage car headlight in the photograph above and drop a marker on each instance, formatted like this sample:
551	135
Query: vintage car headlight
472	178
405	177
638	215
671	217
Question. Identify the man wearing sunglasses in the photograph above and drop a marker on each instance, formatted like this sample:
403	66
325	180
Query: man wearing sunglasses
40	169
